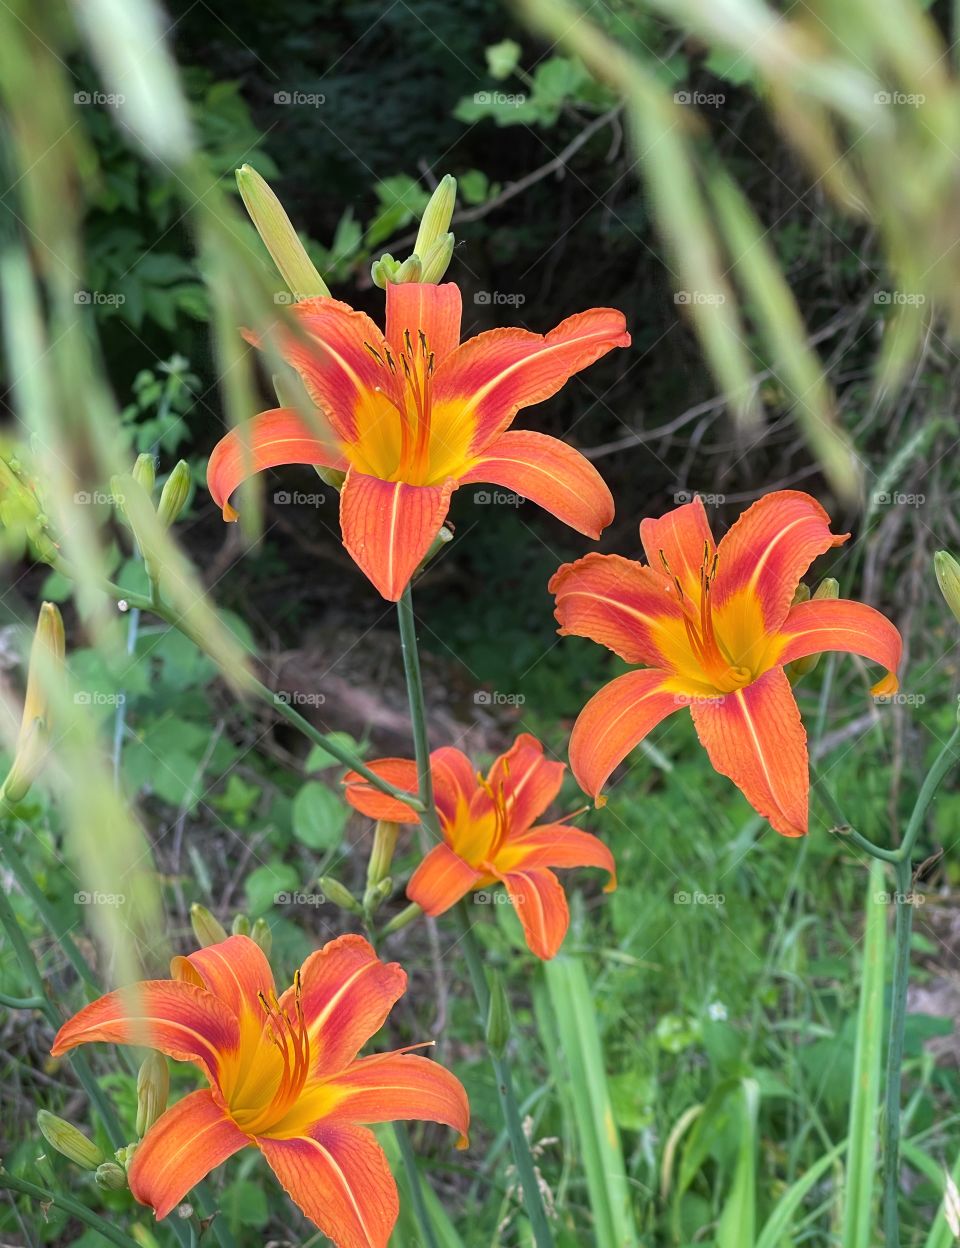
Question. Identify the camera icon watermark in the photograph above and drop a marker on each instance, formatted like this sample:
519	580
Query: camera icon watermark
297	697
697	898
894	498
500	99
298	498
100	498
95	898
497	498
101	99
509	298
900	899
483	898
894	298
99	298
304	99
96	697
298	898
493	697
700	99
701	298
690	496
909	99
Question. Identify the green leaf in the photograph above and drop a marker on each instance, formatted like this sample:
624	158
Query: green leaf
264	883
245	1204
319	816
320	759
503	58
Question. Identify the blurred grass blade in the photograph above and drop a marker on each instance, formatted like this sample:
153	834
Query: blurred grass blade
776	1229
738	1221
406	1232
944	1231
574	1012
865	1095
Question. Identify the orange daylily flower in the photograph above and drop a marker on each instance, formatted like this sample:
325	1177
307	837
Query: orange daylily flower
489	835
415	413
713	626
284	1076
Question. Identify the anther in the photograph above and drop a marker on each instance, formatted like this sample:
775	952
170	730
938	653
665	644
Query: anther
374	352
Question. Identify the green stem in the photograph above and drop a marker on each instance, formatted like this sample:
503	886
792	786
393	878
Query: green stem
416	1190
898	1017
62	1201
523	1160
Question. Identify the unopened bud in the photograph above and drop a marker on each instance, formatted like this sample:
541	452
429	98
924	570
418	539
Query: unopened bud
153	1087
437	259
280	238
173	496
207	929
144	472
334	891
802	594
69	1141
498	1017
376	894
437	215
111	1177
409	271
948	578
46	660
381	856
384	270
262	935
828	589
240	925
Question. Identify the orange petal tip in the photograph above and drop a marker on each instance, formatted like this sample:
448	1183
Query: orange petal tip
600	801
886	687
230	514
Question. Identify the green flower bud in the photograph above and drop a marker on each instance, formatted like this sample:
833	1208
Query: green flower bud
437	259
68	1140
173	496
948	578
828	589
381	856
207	929
437	215
498	1017
262	935
280	238
153	1087
111	1177
802	594
240	925
46	658
334	891
384	270
145	472
409	271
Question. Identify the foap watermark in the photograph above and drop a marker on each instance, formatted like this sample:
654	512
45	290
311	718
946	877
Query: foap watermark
700	297
690	496
910	99
900	899
511	298
699	699
96	898
284	898
494	697
99	498
497	498
900	699
297	697
701	99
696	898
99	298
894	298
500	99
303	99
101	99
894	498
484	898
96	697
298	498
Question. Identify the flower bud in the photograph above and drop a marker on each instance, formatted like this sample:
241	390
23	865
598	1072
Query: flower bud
437	215
111	1177
376	894
145	472
409	271
381	856
69	1141
948	578
334	891
437	259
498	1017
280	238
802	594
262	935
240	925
173	496
46	658
207	929
384	270
153	1087
827	589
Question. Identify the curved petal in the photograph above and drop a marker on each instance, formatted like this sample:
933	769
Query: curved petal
489	378
624	606
337	1174
615	721
346	995
549	473
822	624
388	527
761	560
556	845
683	535
528	781
394	1087
187	1023
235	970
416	308
755	737
192	1138
454	780
541	905
362	796
441	879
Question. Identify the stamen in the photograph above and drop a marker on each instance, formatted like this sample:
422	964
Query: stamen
374	352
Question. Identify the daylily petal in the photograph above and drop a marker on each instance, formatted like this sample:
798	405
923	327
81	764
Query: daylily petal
388	527
192	1138
762	557
756	738
624	606
347	993
362	796
235	970
528	781
557	845
423	307
441	879
394	1087
683	535
454	780
490	377
549	473
615	721
187	1023
280	436
541	906
824	624
339	1177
